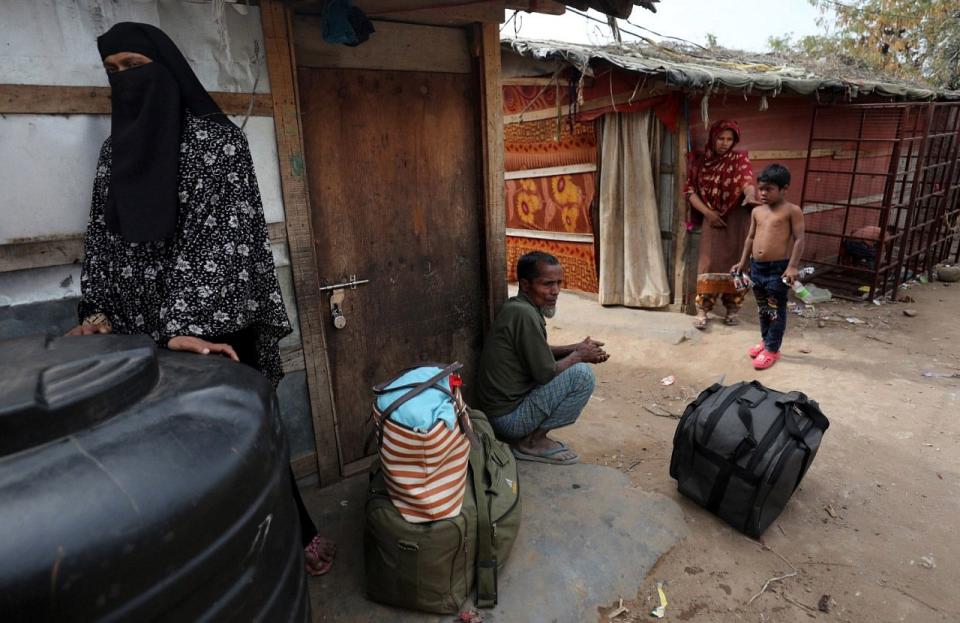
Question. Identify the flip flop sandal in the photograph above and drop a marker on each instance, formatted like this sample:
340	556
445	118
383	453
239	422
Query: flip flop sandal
700	323
756	350
731	321
546	457
765	360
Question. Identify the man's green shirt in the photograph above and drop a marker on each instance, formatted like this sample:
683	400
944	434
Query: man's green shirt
516	357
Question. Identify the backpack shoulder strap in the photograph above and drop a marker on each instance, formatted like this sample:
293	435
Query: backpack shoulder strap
486	557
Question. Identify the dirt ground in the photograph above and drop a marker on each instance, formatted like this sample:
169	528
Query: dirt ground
873	526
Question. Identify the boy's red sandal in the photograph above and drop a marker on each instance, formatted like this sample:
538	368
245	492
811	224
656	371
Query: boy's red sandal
755	350
765	360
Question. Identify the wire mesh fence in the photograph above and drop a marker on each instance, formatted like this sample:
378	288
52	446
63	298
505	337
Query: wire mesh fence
881	194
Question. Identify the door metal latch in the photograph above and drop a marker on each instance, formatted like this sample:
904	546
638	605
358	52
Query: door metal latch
337	294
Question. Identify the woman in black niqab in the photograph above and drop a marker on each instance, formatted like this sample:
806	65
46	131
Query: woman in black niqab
177	245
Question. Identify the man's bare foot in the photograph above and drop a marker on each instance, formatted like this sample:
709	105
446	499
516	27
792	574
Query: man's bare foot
318	555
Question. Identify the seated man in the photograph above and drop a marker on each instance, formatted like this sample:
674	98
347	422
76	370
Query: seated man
525	386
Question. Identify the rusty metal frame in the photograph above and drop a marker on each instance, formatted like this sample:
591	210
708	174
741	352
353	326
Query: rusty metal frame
921	192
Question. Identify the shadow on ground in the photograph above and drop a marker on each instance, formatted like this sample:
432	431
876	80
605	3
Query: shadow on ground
587	538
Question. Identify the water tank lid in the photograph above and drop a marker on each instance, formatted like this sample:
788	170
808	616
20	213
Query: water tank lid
51	387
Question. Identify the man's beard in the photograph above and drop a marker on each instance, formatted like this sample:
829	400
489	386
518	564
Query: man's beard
549	312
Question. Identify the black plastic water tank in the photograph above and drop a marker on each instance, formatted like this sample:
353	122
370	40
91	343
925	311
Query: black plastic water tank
142	485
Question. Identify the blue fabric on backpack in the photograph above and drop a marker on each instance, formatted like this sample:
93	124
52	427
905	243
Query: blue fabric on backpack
421	412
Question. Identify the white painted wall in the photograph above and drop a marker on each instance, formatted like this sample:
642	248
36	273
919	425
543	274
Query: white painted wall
47	163
54	41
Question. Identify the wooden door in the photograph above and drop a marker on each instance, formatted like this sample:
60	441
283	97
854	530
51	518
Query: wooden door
392	165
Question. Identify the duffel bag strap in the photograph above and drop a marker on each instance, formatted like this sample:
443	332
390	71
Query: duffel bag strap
486	557
748	443
812	410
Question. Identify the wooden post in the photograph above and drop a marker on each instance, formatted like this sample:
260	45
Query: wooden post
681	238
281	65
487	47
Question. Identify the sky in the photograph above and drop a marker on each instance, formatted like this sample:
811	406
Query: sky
738	24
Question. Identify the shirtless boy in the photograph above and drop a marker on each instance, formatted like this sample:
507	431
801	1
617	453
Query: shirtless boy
773	246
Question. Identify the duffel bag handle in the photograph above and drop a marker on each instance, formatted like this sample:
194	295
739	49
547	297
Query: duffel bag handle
808	407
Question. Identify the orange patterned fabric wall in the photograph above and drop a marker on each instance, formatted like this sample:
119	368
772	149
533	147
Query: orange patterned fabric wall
559	203
577	259
550	204
540	144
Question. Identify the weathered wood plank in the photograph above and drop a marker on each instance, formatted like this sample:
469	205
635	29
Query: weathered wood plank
551	171
550	7
437	13
68	100
559	236
395	46
541	81
55	251
487	47
434	12
68	249
291	357
304	466
277	34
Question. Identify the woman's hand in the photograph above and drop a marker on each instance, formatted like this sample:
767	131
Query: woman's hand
714	219
190	344
90	329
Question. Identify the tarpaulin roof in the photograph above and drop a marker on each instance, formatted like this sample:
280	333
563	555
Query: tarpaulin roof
715	69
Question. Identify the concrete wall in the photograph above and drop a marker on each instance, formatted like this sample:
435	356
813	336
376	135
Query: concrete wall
47	162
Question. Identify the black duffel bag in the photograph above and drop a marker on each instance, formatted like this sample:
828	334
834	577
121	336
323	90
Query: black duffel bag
741	451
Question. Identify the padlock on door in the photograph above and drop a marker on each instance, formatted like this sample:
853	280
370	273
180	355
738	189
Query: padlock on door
337	294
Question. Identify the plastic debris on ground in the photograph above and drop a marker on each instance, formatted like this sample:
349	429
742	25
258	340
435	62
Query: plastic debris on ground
910	313
853	320
470	616
928	562
661	610
818	295
930	374
668	380
620	610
